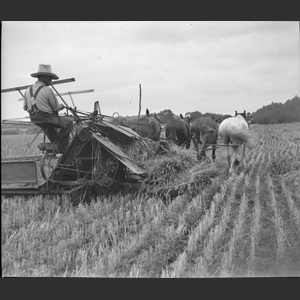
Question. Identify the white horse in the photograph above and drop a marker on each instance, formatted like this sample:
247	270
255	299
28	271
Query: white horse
235	130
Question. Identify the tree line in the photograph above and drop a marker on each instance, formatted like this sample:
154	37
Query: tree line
274	113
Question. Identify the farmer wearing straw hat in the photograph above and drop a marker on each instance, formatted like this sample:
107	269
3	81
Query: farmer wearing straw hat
43	107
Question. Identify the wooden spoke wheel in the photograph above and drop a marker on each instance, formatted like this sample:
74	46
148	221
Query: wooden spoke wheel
112	164
48	163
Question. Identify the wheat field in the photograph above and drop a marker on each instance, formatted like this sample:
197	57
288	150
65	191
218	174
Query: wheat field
243	225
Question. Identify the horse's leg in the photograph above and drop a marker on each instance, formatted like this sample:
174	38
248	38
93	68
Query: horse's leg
231	169
196	140
213	155
235	161
226	140
203	146
243	156
230	163
188	143
228	155
205	139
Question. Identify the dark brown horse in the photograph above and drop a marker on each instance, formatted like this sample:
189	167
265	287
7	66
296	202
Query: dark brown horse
147	127
205	131
179	132
222	118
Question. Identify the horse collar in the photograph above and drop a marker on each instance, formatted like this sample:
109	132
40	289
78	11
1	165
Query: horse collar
241	116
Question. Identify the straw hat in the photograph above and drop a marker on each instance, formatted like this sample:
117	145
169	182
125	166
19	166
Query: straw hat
45	70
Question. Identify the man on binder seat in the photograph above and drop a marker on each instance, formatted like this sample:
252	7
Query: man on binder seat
42	105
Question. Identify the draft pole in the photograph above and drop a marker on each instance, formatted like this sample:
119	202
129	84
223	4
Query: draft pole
33	141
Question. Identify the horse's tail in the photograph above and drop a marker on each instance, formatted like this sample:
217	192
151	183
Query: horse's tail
172	135
213	137
210	132
245	137
249	139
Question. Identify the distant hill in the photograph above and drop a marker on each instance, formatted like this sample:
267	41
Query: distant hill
276	113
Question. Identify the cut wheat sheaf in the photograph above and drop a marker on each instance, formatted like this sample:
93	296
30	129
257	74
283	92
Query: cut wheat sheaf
172	173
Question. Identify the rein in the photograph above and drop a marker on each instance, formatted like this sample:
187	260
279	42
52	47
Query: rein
217	146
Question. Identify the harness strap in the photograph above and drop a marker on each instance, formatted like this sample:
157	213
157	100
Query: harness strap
36	92
32	106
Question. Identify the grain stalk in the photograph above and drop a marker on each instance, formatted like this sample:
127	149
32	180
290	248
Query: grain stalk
178	268
257	162
134	271
236	235
217	232
204	224
255	227
201	268
278	222
200	230
291	204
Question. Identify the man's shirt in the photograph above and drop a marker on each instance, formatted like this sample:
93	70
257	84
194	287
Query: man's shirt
46	100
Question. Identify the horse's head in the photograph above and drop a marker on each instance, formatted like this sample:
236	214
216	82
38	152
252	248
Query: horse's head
244	115
185	119
146	127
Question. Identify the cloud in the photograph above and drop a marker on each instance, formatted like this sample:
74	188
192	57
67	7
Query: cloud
183	66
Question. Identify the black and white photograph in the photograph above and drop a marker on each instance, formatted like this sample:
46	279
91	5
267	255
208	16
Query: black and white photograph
150	149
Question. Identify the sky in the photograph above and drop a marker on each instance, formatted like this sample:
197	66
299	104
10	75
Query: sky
184	66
